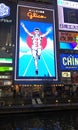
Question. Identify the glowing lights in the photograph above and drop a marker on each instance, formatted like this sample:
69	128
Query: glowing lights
69	4
66	74
67	11
5	60
5	68
69	61
4	10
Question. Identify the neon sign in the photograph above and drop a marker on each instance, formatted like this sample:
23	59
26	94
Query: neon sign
69	61
68	12
35	15
4	10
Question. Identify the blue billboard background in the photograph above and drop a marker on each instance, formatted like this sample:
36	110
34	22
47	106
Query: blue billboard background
69	62
46	63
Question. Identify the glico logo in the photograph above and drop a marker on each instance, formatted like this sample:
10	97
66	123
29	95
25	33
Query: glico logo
4	10
70	61
32	15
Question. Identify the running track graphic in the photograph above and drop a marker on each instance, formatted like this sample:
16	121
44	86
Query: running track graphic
46	65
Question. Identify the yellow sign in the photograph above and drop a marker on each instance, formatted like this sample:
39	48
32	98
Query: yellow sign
32	15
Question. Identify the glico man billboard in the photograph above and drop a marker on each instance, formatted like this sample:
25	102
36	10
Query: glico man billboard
35	56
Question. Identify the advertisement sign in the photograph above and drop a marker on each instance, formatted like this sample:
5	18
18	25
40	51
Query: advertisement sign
6	68
68	15
7	12
36	44
69	62
66	74
6	60
68	40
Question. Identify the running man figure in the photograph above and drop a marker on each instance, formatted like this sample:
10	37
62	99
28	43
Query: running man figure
36	43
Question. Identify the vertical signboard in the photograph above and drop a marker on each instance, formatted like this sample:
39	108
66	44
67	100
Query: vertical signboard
36	44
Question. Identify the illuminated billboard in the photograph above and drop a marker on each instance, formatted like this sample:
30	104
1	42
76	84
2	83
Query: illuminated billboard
6	68
35	44
68	15
66	74
69	62
6	60
68	40
7	12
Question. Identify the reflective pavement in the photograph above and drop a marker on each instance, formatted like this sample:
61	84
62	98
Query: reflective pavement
54	120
